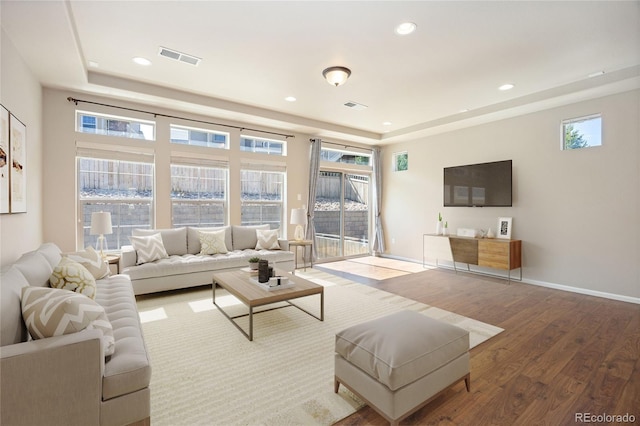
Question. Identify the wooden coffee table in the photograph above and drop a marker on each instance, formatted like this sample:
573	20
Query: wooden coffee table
239	284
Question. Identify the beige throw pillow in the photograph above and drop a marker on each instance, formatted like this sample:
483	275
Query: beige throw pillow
267	240
70	275
91	259
148	248
212	242
49	312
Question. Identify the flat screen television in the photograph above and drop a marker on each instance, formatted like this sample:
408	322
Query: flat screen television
478	185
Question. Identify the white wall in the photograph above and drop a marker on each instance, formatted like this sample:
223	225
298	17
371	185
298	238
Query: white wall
576	212
60	168
21	94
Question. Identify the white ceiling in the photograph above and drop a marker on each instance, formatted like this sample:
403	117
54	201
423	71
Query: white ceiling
254	54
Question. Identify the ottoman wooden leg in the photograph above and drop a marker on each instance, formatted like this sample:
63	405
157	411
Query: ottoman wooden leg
467	382
336	384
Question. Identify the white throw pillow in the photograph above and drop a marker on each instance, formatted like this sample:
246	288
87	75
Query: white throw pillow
72	276
91	259
148	248
212	242
49	312
267	240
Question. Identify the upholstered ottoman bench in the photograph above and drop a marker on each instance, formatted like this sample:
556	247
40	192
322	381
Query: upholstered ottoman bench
400	362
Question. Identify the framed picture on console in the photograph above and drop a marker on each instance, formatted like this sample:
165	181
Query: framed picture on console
504	227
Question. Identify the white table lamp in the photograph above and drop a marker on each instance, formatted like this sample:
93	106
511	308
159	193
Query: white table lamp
101	225
298	218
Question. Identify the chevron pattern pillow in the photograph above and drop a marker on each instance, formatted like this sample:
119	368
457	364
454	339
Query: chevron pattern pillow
267	240
212	242
149	248
70	275
91	259
49	312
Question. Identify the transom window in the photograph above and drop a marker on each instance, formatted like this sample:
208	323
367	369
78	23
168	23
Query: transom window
582	132
112	125
263	146
345	156
199	137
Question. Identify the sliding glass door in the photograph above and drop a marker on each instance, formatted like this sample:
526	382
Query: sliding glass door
341	215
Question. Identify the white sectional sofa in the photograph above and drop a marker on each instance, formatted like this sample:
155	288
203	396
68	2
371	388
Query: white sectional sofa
66	379
185	267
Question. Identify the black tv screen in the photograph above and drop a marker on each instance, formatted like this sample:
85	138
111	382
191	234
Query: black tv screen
478	185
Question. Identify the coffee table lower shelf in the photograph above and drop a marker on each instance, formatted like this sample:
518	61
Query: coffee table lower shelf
238	284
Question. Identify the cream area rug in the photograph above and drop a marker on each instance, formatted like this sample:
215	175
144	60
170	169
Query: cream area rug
205	372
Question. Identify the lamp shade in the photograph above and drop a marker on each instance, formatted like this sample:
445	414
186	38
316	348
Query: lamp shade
298	217
101	223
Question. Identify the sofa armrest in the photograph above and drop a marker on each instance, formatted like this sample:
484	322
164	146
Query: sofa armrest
128	257
284	244
57	380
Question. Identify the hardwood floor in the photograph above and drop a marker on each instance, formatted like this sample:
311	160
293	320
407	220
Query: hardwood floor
561	353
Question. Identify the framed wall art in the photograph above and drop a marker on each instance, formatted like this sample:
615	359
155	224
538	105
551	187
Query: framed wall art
5	161
18	156
504	227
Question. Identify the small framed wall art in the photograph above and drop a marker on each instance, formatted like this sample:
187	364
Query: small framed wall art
504	227
5	160
18	156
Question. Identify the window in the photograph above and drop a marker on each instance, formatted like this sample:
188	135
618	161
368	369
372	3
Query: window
347	157
123	188
583	132
199	137
263	146
262	197
400	161
111	125
198	195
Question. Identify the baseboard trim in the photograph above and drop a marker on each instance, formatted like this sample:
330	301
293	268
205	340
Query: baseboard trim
562	287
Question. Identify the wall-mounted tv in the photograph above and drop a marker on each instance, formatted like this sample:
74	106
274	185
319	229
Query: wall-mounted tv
478	185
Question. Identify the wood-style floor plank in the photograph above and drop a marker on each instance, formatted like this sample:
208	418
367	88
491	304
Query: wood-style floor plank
561	353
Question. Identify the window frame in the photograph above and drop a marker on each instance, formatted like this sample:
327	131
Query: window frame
281	153
263	203
211	134
576	120
112	119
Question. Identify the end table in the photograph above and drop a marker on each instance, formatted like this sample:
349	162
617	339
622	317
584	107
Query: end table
114	259
304	244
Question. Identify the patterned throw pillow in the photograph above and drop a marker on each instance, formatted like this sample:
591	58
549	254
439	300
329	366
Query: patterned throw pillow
212	242
267	240
148	248
70	275
49	312
91	259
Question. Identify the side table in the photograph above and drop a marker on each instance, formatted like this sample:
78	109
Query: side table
113	259
304	244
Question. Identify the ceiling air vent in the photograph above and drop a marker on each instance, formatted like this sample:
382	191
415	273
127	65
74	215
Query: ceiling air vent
355	105
179	56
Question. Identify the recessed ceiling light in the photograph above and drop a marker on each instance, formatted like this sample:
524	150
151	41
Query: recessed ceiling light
141	61
507	86
386	123
406	28
290	99
595	74
93	64
464	110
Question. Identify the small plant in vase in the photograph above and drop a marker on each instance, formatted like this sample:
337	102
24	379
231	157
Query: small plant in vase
439	228
253	263
445	230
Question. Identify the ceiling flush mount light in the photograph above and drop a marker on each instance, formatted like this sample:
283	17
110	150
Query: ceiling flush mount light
406	28
507	86
141	61
336	76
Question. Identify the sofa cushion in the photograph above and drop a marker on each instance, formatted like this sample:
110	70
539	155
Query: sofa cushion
91	259
70	275
212	242
245	237
193	237
49	312
148	248
400	348
129	368
36	268
13	329
267	239
174	240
